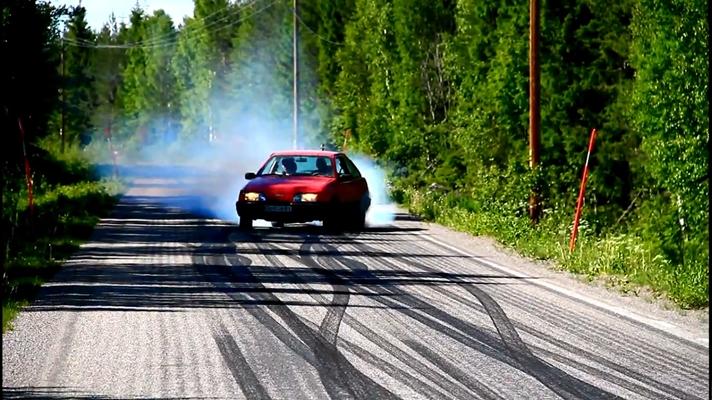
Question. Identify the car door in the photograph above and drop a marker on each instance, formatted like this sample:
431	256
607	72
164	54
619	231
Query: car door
352	185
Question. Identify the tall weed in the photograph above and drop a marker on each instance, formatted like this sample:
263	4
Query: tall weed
626	261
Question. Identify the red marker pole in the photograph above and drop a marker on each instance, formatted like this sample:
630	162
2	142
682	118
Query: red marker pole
579	203
28	171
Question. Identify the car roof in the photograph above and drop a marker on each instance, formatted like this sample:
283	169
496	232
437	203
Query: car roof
322	153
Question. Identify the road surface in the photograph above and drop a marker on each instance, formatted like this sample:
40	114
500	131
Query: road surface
164	303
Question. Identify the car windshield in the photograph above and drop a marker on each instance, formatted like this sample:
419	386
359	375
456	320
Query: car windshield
298	165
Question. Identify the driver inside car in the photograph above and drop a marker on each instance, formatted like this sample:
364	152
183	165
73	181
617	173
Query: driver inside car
322	167
290	166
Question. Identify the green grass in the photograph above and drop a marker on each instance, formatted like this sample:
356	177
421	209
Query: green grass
623	261
69	200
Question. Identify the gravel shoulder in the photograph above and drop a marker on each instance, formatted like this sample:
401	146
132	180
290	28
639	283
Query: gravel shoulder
690	324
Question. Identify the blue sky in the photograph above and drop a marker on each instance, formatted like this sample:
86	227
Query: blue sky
98	11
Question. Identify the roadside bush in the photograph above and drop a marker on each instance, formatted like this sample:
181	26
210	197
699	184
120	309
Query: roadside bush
68	202
629	262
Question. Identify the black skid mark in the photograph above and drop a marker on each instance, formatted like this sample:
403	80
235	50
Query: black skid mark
329	327
648	387
327	267
555	379
394	351
440	379
238	365
331	323
561	383
643	390
445	365
339	377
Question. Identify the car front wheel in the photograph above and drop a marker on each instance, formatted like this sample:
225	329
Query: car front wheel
332	220
245	223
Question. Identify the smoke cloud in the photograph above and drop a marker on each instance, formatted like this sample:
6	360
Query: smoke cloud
203	170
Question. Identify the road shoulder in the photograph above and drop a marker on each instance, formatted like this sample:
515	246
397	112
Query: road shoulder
643	307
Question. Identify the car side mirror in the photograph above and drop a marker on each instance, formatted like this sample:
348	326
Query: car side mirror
250	175
345	177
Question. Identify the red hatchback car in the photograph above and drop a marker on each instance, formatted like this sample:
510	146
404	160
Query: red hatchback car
303	186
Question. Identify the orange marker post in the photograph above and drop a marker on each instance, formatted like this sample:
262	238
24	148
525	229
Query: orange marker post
579	203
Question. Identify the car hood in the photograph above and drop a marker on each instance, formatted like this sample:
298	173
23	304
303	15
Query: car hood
283	188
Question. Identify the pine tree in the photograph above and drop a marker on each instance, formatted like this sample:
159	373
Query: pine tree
261	78
79	78
108	64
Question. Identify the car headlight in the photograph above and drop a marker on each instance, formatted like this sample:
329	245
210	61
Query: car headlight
254	196
305	197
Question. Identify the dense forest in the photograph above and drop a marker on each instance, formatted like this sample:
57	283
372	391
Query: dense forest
436	91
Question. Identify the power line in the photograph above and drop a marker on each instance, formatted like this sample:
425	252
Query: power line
304	24
172	38
202	19
168	38
158	41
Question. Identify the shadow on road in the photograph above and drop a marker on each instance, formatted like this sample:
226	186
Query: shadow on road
154	255
52	393
144	258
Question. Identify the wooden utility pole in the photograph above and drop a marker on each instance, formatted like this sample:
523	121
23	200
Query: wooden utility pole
534	116
295	83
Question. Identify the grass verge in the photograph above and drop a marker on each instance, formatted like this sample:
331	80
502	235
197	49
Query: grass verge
625	262
69	201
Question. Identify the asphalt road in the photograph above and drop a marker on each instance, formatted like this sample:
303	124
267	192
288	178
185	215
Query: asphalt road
163	303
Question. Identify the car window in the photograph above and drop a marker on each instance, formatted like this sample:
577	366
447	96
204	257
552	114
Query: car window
352	167
298	165
269	167
324	166
342	167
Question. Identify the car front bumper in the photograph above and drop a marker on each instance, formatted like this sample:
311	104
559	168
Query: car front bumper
283	211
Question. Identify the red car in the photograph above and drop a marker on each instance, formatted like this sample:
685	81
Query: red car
303	186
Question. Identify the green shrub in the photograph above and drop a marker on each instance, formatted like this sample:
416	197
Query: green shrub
68	201
627	261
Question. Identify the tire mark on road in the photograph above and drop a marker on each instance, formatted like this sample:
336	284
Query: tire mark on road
609	377
339	377
395	372
484	342
329	327
645	353
588	303
238	365
633	387
555	379
445	365
593	371
662	357
440	380
558	381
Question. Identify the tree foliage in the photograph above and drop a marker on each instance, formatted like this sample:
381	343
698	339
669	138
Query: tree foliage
670	113
438	90
78	76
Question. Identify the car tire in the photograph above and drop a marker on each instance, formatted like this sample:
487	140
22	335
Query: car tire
357	216
359	221
356	219
245	223
331	221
